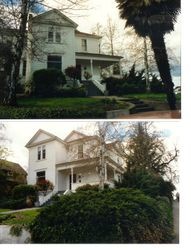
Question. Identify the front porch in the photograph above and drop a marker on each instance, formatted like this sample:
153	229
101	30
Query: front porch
95	64
72	175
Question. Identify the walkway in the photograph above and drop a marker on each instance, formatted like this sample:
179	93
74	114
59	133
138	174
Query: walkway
154	115
20	210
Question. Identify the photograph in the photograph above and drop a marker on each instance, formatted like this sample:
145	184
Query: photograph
87	59
92	182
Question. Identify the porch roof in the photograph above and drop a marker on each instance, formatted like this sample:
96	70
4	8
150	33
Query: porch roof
98	57
88	162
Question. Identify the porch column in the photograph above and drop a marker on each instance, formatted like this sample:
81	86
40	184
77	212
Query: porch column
105	170
91	67
72	173
114	173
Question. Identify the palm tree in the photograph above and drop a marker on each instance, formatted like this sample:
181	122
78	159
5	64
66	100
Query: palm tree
154	18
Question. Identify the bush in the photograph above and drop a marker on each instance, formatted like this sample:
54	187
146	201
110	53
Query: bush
71	92
73	72
148	183
44	185
156	85
14	204
110	216
47	81
89	187
50	113
24	192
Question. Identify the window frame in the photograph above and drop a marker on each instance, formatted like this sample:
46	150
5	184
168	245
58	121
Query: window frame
41	152
80	151
41	177
52	63
84	45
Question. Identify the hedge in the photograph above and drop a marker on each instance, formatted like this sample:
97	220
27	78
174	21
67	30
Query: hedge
13	204
22	191
110	216
49	113
45	82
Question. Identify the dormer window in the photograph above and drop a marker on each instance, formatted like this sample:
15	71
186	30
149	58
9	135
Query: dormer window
84	45
80	151
41	152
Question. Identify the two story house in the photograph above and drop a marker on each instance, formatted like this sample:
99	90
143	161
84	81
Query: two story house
55	42
71	162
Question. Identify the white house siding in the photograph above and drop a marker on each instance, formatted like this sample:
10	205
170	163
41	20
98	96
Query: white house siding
92	44
61	152
41	137
65	49
89	150
47	165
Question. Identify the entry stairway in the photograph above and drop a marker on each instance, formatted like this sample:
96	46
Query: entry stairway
46	199
94	88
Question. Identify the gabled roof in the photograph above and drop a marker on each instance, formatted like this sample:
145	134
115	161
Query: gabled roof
73	133
41	131
12	166
75	25
79	33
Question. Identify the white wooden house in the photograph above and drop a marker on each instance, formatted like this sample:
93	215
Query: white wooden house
56	43
71	162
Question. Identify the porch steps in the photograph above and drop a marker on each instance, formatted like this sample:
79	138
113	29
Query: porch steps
140	106
51	201
92	89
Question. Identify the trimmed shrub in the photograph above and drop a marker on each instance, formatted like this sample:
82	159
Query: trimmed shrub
110	216
24	192
49	113
47	81
71	92
14	204
89	187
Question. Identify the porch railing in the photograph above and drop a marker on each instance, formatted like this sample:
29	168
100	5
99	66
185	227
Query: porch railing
101	87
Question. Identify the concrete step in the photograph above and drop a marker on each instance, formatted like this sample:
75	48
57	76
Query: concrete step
146	108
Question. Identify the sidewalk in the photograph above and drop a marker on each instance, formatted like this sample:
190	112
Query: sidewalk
167	114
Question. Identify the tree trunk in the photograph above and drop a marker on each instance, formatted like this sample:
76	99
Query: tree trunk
161	57
11	99
146	65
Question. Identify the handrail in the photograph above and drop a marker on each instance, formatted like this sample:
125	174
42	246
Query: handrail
101	87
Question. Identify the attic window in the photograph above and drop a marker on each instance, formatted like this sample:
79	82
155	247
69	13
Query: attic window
54	35
41	153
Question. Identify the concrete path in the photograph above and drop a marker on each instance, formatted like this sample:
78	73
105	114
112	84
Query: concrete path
176	221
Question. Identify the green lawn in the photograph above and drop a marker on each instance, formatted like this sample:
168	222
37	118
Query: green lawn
4	210
152	97
23	218
84	103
